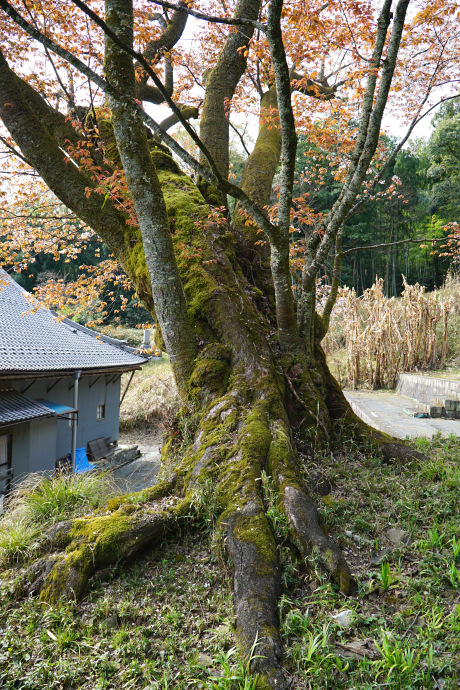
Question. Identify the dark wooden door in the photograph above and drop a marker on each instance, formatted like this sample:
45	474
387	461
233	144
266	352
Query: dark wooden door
6	471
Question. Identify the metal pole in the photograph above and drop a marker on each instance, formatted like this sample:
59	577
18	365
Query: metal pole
76	377
127	386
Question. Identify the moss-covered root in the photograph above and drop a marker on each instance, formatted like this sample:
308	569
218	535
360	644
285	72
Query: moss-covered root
86	545
303	518
252	549
310	539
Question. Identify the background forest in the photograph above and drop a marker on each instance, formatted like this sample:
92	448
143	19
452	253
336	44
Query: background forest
420	201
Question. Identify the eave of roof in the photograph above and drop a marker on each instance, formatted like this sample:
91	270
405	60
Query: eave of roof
56	373
40	343
16	408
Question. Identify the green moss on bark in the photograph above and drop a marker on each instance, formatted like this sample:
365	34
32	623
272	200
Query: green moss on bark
254	530
211	373
68	576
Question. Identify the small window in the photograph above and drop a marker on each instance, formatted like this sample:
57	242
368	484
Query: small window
100	414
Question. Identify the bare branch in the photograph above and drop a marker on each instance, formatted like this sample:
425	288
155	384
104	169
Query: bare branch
241	21
236	130
392	244
14	151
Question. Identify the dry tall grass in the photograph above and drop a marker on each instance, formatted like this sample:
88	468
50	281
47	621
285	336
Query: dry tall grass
383	337
152	397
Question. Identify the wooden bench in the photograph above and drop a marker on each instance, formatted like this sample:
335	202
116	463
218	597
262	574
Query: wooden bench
99	449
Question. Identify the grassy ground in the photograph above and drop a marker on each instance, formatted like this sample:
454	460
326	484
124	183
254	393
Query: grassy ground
166	621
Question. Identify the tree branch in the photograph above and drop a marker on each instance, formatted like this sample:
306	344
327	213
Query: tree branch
368	98
288	131
14	151
239	21
171	34
332	297
279	259
221	83
315	89
392	244
398	148
147	196
43	149
237	132
187	111
367	140
142	60
256	213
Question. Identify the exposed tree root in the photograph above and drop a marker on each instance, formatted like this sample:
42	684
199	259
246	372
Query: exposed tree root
257	586
310	538
80	547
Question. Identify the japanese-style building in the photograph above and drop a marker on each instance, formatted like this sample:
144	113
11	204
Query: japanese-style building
59	385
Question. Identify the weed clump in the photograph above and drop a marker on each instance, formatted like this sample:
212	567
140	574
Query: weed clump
40	501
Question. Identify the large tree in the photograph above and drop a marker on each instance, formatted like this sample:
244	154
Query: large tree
245	350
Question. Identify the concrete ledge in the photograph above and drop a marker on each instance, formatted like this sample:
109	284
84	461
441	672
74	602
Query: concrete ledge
362	409
427	387
437	397
391	414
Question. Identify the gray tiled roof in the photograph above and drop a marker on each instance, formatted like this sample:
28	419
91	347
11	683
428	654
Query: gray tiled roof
14	407
38	342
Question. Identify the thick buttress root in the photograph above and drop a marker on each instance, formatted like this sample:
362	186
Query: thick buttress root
78	548
257	586
302	515
310	538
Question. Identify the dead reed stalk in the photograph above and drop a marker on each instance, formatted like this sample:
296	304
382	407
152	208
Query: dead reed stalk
385	336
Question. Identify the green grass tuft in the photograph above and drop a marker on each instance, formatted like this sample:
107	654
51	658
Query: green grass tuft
52	499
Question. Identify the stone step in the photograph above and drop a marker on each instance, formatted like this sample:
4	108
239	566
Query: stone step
434	411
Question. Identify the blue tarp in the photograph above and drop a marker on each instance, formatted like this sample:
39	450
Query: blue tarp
56	407
81	461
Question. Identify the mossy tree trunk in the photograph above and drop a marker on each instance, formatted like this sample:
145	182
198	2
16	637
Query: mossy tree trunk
247	359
